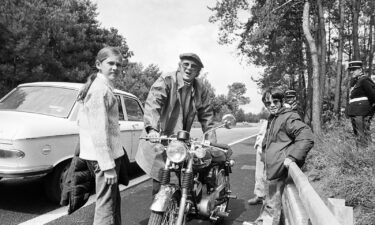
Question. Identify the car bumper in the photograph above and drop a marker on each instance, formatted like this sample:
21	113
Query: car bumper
24	171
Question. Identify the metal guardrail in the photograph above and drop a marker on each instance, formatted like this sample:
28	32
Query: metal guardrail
302	204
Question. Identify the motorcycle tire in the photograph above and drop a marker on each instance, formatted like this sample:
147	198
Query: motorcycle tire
170	214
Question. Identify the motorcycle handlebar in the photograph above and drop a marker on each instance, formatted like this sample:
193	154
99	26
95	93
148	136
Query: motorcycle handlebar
161	138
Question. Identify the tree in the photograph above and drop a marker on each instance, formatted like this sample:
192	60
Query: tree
138	80
371	34
337	104
272	37
51	40
323	49
316	109
355	10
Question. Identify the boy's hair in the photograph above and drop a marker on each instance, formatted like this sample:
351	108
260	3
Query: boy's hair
275	92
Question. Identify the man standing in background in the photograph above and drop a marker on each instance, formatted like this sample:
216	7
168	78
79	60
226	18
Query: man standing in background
361	103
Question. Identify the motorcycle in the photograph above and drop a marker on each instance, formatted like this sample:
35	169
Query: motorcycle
202	188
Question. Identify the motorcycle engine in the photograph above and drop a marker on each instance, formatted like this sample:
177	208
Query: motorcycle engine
213	180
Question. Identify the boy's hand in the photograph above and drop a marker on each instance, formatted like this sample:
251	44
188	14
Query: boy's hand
287	162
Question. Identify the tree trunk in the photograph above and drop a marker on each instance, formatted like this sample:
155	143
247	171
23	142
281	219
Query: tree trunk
356	5
328	88
301	79
309	92
323	53
316	109
337	105
371	47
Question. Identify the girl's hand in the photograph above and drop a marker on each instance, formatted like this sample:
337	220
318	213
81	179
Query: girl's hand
110	176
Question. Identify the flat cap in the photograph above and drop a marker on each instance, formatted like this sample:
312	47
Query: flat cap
193	57
290	93
354	65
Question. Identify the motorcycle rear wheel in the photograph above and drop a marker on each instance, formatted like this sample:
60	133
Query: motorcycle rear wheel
169	216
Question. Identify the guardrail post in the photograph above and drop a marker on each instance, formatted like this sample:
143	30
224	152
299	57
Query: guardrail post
343	214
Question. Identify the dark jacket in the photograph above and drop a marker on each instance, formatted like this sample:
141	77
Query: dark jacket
79	182
286	136
362	97
162	109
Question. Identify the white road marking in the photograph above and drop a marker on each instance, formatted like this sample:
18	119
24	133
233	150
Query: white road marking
63	211
247	167
241	140
57	213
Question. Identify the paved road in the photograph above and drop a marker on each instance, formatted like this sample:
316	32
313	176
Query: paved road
22	200
136	201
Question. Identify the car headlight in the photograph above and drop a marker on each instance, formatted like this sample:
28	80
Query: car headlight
177	151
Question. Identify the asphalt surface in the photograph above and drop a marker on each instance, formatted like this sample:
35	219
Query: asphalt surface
136	201
23	199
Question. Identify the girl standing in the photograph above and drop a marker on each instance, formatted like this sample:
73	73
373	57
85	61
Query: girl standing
100	135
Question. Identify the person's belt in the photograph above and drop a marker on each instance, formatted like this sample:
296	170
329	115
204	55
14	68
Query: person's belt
358	99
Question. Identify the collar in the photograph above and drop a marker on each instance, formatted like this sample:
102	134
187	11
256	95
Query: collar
105	80
180	81
282	110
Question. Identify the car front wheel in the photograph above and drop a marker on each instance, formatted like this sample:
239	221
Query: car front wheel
54	181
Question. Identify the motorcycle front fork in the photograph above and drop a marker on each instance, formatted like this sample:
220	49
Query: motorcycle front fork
187	179
186	185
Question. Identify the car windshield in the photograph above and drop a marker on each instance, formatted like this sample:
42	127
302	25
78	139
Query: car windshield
53	101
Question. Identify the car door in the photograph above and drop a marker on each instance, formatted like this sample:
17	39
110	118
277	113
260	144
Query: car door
126	129
134	114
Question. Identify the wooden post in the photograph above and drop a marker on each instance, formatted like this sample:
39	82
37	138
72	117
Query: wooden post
343	214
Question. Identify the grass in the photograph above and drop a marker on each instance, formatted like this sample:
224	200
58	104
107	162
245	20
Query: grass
337	169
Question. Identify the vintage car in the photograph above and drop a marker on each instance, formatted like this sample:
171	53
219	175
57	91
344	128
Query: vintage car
39	132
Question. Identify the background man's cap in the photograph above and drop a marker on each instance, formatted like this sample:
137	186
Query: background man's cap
193	57
290	93
354	65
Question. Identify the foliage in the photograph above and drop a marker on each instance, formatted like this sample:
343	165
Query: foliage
50	41
343	171
231	102
241	116
138	80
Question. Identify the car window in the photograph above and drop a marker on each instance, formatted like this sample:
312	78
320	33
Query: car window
120	110
133	110
53	101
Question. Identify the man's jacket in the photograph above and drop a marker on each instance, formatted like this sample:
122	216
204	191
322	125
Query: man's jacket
286	136
362	97
162	109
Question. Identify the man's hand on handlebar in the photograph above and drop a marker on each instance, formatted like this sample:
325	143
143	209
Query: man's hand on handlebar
153	136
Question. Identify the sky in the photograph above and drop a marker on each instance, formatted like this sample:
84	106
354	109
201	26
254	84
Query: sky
158	31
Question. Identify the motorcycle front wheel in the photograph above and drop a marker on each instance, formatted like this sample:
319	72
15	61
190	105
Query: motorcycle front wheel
169	216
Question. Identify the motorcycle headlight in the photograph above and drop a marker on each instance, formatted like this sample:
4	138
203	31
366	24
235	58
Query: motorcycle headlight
176	151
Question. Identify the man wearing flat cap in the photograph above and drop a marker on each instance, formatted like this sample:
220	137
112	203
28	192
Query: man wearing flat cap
172	104
361	104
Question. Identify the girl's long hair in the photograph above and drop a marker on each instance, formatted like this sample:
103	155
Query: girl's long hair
102	55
